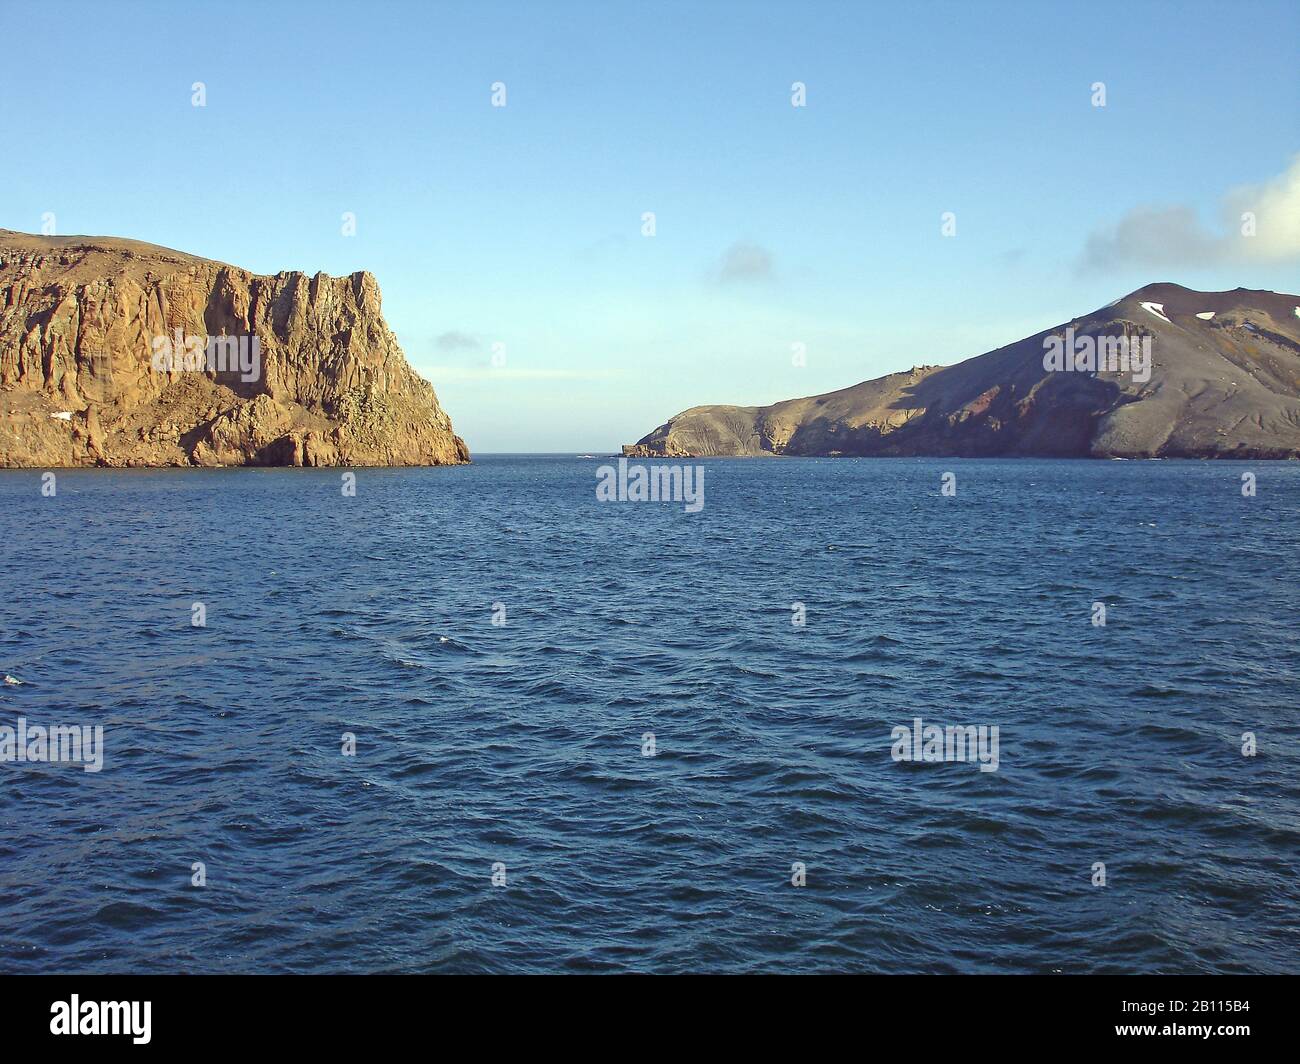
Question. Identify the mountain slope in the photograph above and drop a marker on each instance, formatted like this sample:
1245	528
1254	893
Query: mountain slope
1224	382
81	321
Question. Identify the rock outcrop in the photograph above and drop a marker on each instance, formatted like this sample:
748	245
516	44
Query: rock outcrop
86	325
1224	382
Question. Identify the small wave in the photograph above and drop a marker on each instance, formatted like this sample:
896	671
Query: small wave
870	655
126	914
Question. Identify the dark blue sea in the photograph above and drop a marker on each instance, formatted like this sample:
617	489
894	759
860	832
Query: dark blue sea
520	747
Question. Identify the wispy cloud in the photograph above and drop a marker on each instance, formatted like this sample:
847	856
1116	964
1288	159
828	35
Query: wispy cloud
1258	223
511	373
457	341
744	262
603	250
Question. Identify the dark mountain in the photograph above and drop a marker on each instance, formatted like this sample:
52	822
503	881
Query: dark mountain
1223	381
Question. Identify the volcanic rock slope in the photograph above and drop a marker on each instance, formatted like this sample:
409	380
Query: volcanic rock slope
1224	383
78	383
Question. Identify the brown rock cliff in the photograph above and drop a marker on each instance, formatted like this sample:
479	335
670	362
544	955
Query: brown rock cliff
80	383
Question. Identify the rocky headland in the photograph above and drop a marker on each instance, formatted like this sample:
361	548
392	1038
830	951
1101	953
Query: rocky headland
100	365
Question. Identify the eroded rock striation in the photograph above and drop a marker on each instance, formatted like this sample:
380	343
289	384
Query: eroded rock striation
86	325
1223	382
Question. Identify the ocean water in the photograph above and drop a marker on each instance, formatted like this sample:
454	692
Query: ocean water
521	745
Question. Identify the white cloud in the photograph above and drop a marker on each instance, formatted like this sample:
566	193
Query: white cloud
1276	206
1175	236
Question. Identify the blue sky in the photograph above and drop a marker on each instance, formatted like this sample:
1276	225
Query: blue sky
521	225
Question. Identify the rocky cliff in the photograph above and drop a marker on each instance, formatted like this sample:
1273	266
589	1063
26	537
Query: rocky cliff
119	353
1223	382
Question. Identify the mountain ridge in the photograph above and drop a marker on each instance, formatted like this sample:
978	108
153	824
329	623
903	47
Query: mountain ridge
1224	382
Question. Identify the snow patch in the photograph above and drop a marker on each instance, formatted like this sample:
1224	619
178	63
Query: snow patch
1158	309
1205	315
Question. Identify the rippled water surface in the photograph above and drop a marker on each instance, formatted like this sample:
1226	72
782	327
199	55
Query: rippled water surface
522	743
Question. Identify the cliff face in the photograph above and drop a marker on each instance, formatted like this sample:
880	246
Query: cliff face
95	367
1223	382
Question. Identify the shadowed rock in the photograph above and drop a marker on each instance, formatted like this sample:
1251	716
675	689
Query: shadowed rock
1224	383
